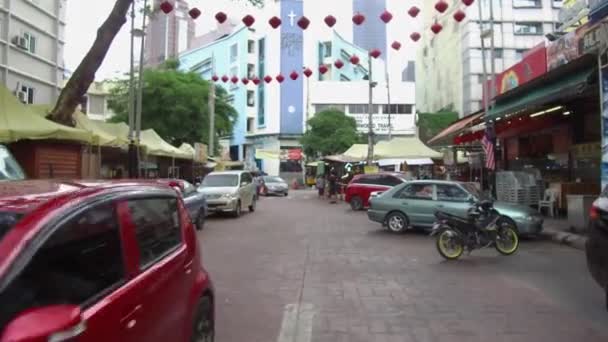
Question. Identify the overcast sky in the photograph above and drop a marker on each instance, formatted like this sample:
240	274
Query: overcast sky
85	16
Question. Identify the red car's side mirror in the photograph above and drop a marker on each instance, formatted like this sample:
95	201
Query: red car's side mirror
50	323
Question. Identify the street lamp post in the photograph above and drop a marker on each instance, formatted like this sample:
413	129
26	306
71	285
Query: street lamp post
132	153
140	81
212	110
370	122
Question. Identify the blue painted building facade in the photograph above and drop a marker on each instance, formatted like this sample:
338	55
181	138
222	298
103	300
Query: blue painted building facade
227	56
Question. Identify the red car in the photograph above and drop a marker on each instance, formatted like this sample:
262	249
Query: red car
360	187
100	261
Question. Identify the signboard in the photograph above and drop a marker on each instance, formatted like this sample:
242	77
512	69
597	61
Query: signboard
291	154
596	38
533	65
200	152
604	123
567	48
572	13
292	54
370	169
401	123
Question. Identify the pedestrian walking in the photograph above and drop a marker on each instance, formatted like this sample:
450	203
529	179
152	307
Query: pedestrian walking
333	185
321	185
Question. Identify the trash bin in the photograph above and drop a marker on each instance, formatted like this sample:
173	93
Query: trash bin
578	210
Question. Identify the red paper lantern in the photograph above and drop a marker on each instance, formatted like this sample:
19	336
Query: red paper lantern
294	75
413	11
166	7
330	20
396	45
214	78
358	19
468	2
307	72
225	79
436	27
280	78
441	6
323	69
194	13
248	20
255	81
234	80
268	79
339	64
245	80
375	53
415	36
303	23
386	16
275	22
354	59
221	17
459	15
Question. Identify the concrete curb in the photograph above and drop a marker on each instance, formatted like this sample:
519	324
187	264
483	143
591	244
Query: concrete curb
565	238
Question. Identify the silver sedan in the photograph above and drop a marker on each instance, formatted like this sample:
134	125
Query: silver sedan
275	186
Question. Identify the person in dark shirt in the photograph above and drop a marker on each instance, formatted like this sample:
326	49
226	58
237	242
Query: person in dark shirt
333	185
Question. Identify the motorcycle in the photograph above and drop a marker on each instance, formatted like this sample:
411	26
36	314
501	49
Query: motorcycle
483	227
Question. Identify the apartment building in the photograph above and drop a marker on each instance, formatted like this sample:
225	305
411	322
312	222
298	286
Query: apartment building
31	48
168	34
449	65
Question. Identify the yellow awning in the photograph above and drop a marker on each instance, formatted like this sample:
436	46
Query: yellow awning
405	147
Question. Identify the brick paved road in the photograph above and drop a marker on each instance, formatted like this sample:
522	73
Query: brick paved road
298	259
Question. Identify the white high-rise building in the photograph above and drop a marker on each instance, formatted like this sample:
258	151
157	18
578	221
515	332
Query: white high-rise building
31	48
449	68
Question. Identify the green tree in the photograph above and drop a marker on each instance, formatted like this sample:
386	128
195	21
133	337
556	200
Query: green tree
430	124
330	132
176	106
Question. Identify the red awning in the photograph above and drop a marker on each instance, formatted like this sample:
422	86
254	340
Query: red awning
456	127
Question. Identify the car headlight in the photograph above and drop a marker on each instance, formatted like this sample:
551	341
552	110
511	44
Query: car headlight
228	196
532	218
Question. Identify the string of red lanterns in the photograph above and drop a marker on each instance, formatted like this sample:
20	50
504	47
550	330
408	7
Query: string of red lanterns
441	6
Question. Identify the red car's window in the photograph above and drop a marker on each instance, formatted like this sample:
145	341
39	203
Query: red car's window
157	228
76	265
7	221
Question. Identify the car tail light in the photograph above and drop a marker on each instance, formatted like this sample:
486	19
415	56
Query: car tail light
594	213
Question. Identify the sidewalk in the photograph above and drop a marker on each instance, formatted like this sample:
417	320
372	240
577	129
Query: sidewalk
559	231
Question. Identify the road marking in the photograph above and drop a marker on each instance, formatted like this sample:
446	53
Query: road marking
297	323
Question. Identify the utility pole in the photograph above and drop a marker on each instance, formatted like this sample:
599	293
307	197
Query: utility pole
140	83
212	110
388	95
492	55
485	91
370	122
132	157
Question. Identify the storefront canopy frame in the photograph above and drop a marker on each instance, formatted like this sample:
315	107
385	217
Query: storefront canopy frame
562	88
457	127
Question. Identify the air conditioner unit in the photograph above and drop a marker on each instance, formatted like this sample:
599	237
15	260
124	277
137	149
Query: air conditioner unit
22	96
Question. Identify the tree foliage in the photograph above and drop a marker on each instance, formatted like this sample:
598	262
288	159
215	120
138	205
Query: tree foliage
330	132
175	105
430	124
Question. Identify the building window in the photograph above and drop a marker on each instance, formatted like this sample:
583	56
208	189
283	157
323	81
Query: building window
529	28
205	68
344	78
558	3
30	42
261	49
251	46
397	109
519	54
250	71
362	109
234	71
250	125
261	108
498	53
480	79
26	95
234	53
84	104
323	107
230	99
327	49
250	98
527	3
409	73
344	55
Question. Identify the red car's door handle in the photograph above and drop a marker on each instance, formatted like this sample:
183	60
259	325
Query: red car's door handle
188	267
130	320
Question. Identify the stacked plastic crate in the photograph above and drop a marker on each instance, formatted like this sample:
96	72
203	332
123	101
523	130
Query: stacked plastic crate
521	187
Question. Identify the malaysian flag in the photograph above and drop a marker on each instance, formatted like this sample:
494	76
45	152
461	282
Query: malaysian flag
488	147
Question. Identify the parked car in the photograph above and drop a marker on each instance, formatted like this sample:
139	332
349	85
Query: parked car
100	261
359	189
413	204
229	192
195	202
274	185
597	242
9	168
